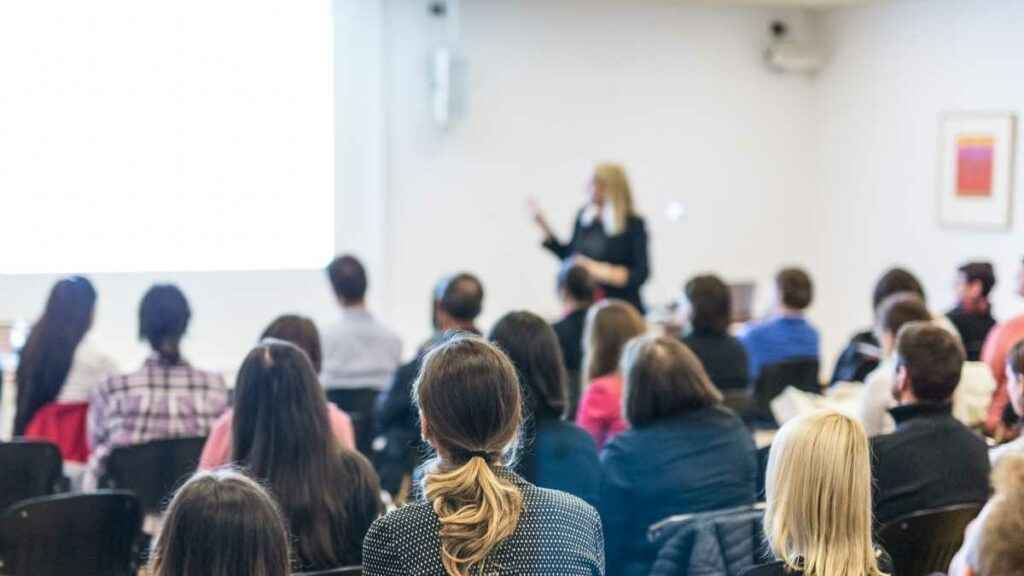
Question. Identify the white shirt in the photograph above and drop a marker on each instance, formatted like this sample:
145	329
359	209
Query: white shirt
359	352
89	367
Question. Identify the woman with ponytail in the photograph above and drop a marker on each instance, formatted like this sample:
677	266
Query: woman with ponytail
166	398
480	518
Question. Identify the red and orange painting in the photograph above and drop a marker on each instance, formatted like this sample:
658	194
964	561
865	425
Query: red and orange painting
974	165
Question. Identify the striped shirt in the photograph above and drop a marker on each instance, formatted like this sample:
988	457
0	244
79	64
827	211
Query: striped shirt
157	401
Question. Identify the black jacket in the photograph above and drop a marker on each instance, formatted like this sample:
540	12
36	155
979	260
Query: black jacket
860	357
724	358
973	329
570	338
627	249
779	568
930	461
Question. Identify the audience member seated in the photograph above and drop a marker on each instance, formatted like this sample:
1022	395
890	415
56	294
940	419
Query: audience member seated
58	369
1015	394
864	352
994	542
710	312
577	290
478	516
165	398
1001	419
456	303
685	452
221	524
554	453
972	315
360	354
301	332
328	494
787	335
818	487
931	460
610	324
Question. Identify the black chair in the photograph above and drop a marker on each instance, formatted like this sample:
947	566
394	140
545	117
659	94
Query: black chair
347	571
359	404
71	534
925	542
30	469
762	471
152	471
773	379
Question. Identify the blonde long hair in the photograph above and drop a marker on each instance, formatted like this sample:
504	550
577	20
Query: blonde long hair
469	399
615	185
818	487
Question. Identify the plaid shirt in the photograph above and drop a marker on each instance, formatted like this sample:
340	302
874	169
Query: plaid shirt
158	401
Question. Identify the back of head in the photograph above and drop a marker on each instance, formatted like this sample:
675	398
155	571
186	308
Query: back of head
348	278
533	347
575	282
610	324
300	331
221	524
896	280
1000	552
933	359
900	309
710	303
163	318
281	435
617	191
461	297
663	380
46	357
981	272
818	488
469	403
795	289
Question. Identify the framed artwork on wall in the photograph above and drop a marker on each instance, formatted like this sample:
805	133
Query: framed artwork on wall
976	155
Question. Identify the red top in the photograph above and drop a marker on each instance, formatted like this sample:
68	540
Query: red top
997	345
600	411
64	425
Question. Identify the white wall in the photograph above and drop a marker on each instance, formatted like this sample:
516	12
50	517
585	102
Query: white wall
895	67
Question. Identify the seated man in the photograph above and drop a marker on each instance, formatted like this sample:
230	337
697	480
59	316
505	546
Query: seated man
786	335
973	313
931	460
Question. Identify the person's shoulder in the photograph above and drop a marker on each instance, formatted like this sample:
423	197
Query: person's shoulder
560	507
409	519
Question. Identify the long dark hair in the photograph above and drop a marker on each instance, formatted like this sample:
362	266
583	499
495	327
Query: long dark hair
221	523
163	318
298	330
532	345
46	357
281	434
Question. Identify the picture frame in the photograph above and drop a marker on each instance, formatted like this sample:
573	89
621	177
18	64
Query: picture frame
976	169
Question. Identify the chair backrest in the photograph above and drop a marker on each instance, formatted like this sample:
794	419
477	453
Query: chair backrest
70	534
801	374
31	468
154	469
726	542
925	542
346	571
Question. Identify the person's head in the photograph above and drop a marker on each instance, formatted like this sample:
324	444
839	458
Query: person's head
281	435
469	403
974	282
928	363
1000	552
1015	377
348	278
300	331
609	187
576	287
46	357
895	311
793	289
221	523
163	318
663	380
710	304
458	300
533	347
894	281
609	325
818	491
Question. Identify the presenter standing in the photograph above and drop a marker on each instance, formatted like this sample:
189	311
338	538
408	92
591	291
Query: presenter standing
609	239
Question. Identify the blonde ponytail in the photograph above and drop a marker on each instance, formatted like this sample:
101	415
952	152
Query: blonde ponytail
477	510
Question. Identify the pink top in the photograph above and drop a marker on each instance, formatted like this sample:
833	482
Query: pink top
600	411
217	451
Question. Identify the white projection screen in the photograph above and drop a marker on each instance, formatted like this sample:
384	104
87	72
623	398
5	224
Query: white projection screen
190	135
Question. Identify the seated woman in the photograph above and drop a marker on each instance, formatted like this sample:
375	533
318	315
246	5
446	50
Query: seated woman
820	462
58	370
329	494
479	517
685	452
556	454
710	312
221	524
610	324
301	332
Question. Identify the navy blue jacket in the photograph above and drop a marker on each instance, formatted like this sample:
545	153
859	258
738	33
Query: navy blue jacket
562	456
698	462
